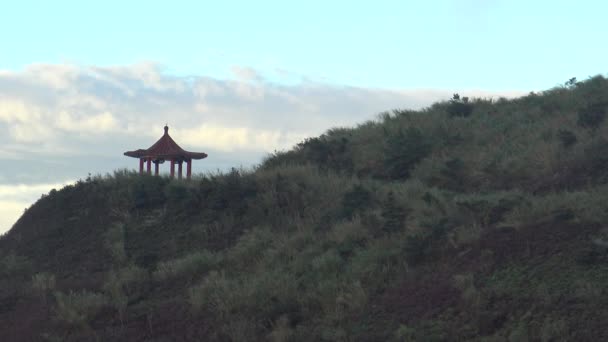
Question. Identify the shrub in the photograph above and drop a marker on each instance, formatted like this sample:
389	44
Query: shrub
596	159
42	284
468	290
571	83
416	249
423	244
14	265
355	200
378	263
77	308
122	283
238	329
348	235
147	191
554	330
327	152
405	333
394	215
117	297
487	209
216	293
404	150
115	243
191	264
327	264
262	296
566	137
352	298
592	116
453	173
459	107
247	250
582	206
281	330
129	278
181	198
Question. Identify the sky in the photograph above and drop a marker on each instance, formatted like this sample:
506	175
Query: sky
82	82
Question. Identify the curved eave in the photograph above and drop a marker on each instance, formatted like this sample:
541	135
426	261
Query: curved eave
135	154
197	155
181	156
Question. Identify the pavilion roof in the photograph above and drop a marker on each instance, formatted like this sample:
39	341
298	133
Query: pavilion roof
165	148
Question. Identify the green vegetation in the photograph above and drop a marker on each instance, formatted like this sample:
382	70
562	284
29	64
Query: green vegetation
76	308
473	219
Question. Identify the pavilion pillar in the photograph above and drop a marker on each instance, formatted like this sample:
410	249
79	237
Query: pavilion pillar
149	166
172	168
141	166
189	169
179	169
156	167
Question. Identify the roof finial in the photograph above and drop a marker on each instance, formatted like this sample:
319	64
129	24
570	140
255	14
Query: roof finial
166	129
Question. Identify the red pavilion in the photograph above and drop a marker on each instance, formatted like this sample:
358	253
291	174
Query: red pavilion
166	149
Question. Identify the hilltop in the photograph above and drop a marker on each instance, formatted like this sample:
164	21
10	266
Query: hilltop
472	219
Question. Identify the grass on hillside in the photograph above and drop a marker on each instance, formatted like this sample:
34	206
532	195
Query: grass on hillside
473	219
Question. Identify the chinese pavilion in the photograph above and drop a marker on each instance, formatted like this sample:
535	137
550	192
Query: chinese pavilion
165	149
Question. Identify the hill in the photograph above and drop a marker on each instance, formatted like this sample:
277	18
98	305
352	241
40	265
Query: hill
473	219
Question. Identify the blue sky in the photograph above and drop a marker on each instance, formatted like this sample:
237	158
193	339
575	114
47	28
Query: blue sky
81	81
492	45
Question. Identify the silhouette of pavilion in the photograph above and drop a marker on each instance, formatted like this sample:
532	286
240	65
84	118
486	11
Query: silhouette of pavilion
165	149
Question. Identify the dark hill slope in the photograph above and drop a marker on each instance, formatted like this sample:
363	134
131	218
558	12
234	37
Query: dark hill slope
470	220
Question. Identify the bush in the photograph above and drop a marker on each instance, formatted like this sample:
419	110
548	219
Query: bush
42	284
14	265
453	174
181	198
592	116
554	330
566	137
128	278
394	215
356	200
403	151
191	264
77	308
423	244
281	330
327	152
349	236
217	294
248	249
459	107
115	243
147	191
378	263
487	209
123	283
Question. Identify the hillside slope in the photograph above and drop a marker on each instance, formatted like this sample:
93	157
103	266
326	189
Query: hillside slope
472	219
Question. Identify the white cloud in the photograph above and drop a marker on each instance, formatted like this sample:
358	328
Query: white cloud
14	110
249	92
93	124
224	138
30	132
57	76
245	73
